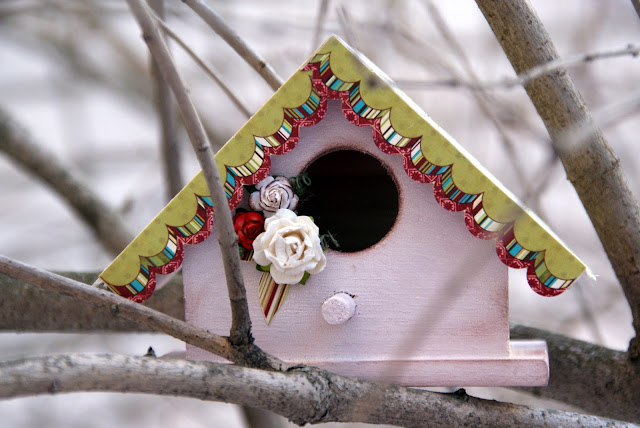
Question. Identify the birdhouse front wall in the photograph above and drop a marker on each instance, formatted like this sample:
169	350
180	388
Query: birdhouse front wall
428	289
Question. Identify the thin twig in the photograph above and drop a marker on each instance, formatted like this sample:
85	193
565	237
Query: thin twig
481	98
208	68
240	334
106	224
169	144
303	396
227	33
322	15
527	76
127	309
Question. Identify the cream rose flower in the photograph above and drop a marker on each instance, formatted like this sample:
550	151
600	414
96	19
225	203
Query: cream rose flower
273	194
291	244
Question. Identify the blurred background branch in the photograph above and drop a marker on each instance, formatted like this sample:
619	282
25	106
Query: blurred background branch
107	225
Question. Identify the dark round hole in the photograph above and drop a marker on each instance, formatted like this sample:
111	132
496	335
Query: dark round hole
353	197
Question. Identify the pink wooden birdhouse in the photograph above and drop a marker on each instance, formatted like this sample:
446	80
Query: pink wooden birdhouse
350	262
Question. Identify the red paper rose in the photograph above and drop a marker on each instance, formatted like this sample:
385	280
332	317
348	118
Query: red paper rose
248	225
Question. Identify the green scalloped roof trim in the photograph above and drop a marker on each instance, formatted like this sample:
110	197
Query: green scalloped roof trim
379	92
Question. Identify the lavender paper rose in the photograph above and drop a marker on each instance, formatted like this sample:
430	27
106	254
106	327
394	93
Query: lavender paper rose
273	194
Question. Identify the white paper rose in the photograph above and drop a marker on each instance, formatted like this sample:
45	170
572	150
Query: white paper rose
291	244
273	194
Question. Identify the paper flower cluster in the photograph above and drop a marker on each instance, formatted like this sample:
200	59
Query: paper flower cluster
284	244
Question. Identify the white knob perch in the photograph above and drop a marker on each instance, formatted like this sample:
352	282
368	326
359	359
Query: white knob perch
338	308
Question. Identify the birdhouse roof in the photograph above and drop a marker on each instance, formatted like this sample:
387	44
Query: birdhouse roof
399	127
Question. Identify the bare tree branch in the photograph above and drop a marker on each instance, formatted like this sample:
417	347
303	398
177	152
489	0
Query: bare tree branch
593	167
227	33
525	77
303	396
27	308
169	144
120	307
597	379
18	144
240	334
208	68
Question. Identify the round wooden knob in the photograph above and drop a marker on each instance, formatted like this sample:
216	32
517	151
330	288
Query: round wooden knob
338	308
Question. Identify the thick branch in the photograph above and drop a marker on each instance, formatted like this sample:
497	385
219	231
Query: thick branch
241	322
121	307
108	227
592	167
599	380
27	308
227	33
304	396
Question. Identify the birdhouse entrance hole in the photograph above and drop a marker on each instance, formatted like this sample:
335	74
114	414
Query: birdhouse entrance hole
353	197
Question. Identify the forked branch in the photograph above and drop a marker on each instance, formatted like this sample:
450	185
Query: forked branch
155	320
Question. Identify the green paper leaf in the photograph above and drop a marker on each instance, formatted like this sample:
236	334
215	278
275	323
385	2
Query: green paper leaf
263	268
304	279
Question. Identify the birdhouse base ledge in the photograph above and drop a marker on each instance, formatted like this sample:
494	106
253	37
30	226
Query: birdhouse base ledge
527	364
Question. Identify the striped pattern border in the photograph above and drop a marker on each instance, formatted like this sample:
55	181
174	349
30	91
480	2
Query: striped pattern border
326	85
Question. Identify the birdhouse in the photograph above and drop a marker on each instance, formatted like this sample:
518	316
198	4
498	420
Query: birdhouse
373	244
